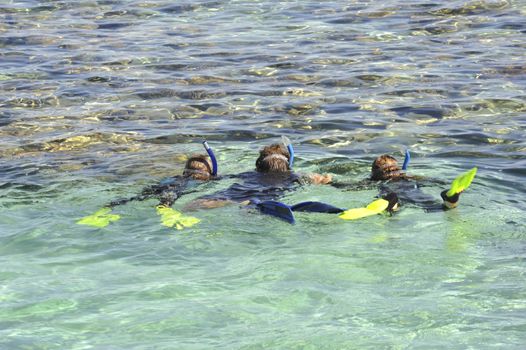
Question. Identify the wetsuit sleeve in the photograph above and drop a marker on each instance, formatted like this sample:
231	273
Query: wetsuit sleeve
172	191
168	191
123	201
146	193
168	198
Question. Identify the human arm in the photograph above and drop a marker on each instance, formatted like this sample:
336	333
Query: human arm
315	179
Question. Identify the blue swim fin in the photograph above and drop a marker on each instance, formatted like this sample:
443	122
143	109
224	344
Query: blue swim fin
277	209
316	207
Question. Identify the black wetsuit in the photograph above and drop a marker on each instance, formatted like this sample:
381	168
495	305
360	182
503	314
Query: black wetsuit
256	187
408	190
167	191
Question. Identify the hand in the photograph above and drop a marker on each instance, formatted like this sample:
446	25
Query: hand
320	179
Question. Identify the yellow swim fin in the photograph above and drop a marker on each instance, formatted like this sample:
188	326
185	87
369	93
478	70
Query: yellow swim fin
373	208
101	218
462	182
174	218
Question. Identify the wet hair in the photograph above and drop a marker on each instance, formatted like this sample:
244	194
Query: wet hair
198	167
274	158
385	167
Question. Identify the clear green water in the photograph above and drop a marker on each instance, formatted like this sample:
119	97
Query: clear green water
100	98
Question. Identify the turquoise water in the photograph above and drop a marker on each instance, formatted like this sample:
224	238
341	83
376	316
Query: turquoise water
101	98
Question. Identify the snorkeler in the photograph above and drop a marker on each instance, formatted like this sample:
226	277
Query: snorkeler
198	169
394	181
397	188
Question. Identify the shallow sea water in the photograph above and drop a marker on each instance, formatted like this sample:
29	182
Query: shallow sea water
101	98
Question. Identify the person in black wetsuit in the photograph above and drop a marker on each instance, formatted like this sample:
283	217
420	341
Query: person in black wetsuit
392	179
196	171
270	180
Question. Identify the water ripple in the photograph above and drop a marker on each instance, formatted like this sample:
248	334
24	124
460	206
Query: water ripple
99	98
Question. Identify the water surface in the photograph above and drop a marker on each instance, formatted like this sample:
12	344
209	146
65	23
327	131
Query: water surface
100	98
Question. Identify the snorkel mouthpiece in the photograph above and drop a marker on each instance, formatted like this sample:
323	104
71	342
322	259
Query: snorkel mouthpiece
212	157
288	144
406	160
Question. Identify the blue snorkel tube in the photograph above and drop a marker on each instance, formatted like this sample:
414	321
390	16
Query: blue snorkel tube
212	157
288	144
406	160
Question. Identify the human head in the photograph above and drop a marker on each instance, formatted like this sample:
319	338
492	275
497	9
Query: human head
273	159
198	167
385	167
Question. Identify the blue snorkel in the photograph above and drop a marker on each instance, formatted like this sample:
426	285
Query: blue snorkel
406	160
288	144
212	157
